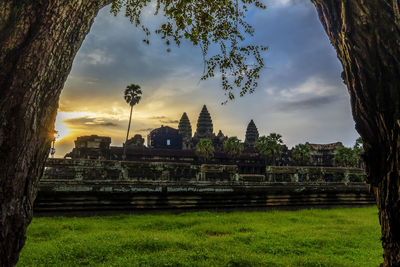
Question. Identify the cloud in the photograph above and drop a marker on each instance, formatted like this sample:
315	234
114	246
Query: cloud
108	124
157	117
313	86
98	57
283	3
280	3
89	122
145	130
164	119
170	121
310	103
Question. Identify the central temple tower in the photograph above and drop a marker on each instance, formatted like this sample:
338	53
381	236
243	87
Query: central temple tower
204	125
251	134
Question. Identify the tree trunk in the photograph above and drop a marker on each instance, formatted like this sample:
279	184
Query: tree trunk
38	42
127	135
366	36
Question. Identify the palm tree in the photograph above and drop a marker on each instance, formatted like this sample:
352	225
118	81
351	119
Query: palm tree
205	149
233	147
276	137
269	147
301	154
132	96
345	157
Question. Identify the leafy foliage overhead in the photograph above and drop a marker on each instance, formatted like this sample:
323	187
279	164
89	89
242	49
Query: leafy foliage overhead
203	23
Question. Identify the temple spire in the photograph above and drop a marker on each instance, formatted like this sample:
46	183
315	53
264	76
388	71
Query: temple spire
185	128
251	134
204	124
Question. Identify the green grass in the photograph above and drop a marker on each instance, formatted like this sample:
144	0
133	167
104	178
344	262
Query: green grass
334	237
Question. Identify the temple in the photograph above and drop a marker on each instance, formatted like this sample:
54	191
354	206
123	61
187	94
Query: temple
167	144
205	130
91	147
322	154
167	137
167	174
135	142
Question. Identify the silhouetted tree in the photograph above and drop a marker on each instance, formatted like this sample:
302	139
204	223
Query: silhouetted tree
270	147
132	96
233	147
345	157
301	154
205	149
276	137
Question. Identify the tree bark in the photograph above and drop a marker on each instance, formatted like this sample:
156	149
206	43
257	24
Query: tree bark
38	42
366	36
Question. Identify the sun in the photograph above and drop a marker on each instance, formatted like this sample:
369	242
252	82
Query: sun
61	128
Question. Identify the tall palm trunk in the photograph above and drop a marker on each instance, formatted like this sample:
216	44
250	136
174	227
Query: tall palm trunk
366	36
127	135
38	42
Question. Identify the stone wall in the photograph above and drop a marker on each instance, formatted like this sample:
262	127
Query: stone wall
85	187
314	174
102	170
84	169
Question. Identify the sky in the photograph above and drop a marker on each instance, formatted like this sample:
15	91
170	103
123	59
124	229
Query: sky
300	94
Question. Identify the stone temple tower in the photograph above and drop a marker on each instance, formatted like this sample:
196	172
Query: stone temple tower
185	129
204	125
251	134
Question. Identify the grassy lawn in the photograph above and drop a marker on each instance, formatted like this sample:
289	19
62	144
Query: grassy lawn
336	237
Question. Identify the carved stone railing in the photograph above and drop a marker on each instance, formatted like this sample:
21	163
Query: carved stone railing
84	187
314	174
111	170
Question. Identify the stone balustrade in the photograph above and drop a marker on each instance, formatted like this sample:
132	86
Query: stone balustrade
85	187
314	174
88	170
